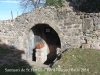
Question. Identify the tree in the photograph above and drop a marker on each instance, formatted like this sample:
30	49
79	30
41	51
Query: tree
31	4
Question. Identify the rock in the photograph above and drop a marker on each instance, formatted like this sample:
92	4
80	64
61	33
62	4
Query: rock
95	46
85	46
41	54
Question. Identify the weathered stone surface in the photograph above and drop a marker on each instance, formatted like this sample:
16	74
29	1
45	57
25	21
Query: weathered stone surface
72	30
86	46
41	54
88	25
95	46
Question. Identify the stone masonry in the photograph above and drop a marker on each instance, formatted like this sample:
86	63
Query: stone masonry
75	30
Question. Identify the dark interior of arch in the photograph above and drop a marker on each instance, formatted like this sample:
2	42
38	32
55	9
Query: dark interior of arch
51	38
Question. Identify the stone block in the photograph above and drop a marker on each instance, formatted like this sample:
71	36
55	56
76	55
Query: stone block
97	32
83	41
98	26
95	46
88	25
76	26
85	46
41	54
41	57
44	49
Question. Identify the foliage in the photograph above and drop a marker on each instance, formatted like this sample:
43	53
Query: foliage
31	4
56	3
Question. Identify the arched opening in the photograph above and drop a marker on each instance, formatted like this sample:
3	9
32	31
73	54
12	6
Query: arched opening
45	33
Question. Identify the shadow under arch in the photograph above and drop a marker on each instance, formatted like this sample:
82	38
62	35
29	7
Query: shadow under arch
50	36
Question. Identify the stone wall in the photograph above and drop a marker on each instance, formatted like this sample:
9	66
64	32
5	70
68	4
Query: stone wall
75	30
9	35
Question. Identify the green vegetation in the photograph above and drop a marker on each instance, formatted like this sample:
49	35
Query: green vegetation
28	5
4	52
77	62
73	62
86	60
56	3
20	67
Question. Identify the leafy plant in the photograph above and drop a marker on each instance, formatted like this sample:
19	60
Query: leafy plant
56	3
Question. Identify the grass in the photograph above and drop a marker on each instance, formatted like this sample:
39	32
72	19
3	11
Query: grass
20	67
77	62
4	52
73	62
87	61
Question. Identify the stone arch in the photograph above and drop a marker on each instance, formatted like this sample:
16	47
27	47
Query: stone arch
49	35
